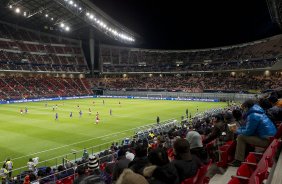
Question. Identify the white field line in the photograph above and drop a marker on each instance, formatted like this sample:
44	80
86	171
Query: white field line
80	142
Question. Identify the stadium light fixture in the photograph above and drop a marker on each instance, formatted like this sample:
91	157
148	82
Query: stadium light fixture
46	15
52	19
62	25
80	8
18	10
67	28
24	14
10	6
71	2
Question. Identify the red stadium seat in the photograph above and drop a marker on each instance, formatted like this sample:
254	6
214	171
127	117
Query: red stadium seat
234	181
246	170
278	134
226	154
191	180
202	173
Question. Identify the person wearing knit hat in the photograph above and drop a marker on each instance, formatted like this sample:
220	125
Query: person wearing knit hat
196	146
194	139
129	177
130	156
93	162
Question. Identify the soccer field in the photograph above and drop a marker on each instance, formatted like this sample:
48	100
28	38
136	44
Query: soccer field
37	133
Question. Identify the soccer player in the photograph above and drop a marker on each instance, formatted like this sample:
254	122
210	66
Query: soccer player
80	113
186	113
89	111
46	104
197	109
25	110
53	108
97	119
21	111
110	111
158	120
56	106
70	114
103	102
56	116
119	103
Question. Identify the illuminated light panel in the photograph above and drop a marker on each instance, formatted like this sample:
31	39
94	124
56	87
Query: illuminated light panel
18	10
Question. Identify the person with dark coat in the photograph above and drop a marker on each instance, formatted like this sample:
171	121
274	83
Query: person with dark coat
121	164
196	146
140	160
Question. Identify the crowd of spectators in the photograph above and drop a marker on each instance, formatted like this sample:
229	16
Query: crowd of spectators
194	83
259	54
172	67
175	154
13	87
25	50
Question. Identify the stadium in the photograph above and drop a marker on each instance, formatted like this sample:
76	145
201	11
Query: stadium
90	93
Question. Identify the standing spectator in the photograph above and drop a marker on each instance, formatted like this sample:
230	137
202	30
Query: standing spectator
158	120
31	165
256	132
9	167
85	155
3	174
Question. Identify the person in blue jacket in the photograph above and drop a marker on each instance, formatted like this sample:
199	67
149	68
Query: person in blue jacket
257	130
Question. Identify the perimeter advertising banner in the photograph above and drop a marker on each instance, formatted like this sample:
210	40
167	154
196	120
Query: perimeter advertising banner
101	96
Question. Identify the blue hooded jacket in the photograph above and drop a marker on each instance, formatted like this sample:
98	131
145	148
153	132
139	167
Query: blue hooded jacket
257	124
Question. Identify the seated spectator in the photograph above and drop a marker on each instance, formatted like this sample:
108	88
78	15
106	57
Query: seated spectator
196	146
186	164
81	174
140	160
129	177
93	165
121	164
220	133
274	101
257	131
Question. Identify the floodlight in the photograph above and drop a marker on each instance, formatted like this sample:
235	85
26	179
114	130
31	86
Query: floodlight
67	28
17	10
79	8
74	5
91	16
71	2
52	18
87	14
62	25
10	6
46	15
24	14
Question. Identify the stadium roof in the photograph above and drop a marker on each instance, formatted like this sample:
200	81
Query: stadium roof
68	17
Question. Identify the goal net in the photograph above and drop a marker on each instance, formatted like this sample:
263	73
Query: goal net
154	96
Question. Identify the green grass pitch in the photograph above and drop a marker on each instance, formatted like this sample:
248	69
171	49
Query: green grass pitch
38	134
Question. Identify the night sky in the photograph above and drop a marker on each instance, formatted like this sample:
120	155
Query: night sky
192	24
